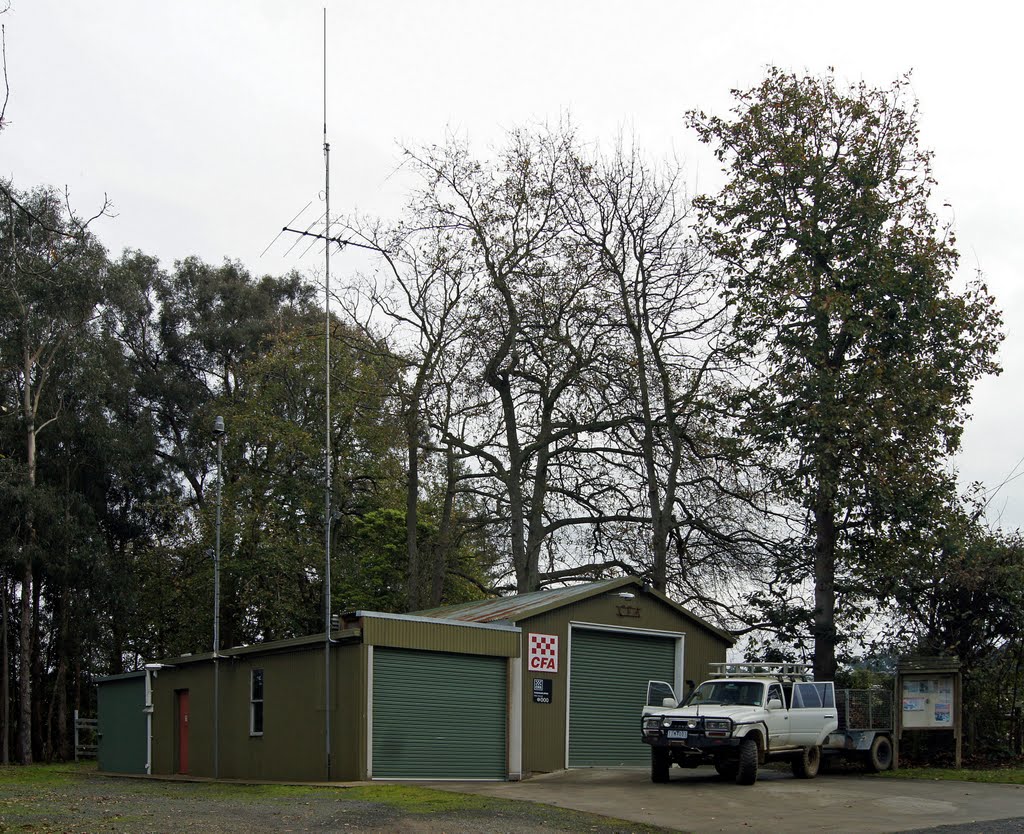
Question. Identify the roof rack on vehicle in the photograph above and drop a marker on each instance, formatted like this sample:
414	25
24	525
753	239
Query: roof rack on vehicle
782	671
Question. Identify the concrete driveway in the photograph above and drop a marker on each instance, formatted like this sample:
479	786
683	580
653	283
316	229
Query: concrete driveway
699	801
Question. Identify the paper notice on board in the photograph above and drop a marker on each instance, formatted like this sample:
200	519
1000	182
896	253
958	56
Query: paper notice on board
913	704
943	714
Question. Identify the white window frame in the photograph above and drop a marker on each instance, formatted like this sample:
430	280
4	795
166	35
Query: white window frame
253	701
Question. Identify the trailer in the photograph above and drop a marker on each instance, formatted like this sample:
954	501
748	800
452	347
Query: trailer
865	730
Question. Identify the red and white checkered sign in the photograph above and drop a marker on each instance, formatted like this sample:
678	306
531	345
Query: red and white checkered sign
543	655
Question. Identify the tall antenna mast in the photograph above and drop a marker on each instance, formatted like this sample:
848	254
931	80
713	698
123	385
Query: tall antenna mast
327	433
341	243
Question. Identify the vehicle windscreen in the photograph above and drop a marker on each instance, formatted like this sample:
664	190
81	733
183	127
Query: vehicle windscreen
727	693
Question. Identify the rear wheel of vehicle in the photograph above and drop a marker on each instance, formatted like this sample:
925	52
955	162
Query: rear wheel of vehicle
661	761
726	768
806	764
879	757
746	767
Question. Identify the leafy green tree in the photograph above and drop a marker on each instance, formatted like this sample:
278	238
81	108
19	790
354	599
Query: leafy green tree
273	459
957	588
841	285
51	281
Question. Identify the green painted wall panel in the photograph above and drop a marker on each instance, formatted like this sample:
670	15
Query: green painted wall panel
439	636
438	715
293	745
122	725
608	685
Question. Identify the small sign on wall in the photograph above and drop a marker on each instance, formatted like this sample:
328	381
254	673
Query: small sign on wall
543	655
542	689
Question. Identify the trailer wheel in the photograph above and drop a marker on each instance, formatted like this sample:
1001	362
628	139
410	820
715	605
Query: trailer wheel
661	761
807	762
879	757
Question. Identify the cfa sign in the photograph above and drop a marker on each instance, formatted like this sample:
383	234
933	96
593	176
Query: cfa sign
543	656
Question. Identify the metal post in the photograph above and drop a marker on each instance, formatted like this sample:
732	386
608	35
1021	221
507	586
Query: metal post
327	438
218	433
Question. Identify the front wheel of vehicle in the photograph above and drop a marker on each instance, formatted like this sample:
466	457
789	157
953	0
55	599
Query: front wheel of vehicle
746	768
806	764
880	755
661	761
726	768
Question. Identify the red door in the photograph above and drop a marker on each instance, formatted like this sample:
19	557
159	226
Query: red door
182	695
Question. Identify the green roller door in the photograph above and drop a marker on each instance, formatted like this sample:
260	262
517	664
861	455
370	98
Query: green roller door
438	715
121	726
607	690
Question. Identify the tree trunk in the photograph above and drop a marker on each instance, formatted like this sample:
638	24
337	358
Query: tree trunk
412	491
442	552
526	571
824	620
38	687
24	754
60	695
25	626
5	681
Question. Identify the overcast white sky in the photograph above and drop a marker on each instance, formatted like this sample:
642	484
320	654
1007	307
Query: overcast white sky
202	119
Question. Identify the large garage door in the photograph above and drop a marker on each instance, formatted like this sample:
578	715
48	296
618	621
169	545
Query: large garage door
607	690
438	715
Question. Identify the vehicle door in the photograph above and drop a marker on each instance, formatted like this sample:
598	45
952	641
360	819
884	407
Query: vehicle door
812	714
777	720
660	698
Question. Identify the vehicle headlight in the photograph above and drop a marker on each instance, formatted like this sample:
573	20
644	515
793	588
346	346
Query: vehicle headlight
652	723
717	725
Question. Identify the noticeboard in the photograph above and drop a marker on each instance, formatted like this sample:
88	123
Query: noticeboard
928	699
928	702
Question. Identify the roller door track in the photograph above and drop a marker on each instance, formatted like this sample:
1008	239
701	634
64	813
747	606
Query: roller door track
607	689
438	715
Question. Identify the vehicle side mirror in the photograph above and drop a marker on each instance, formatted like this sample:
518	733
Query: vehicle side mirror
668	702
659	692
774	703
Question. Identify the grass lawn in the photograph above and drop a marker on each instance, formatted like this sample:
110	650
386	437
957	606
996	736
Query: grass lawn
70	797
1007	775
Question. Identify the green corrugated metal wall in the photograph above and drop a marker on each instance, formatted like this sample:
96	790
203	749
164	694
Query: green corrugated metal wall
121	725
438	715
607	689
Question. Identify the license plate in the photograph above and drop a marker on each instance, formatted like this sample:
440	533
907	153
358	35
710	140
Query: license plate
676	733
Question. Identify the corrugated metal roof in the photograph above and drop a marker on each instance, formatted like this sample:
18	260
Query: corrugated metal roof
522	606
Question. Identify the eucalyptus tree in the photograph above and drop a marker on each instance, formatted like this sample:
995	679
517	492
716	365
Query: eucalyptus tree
51	281
205	340
840	280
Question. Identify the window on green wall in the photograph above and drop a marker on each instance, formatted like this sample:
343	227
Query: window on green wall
256	703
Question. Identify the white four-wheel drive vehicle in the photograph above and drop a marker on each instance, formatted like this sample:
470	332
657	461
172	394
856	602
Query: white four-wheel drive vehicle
745	715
